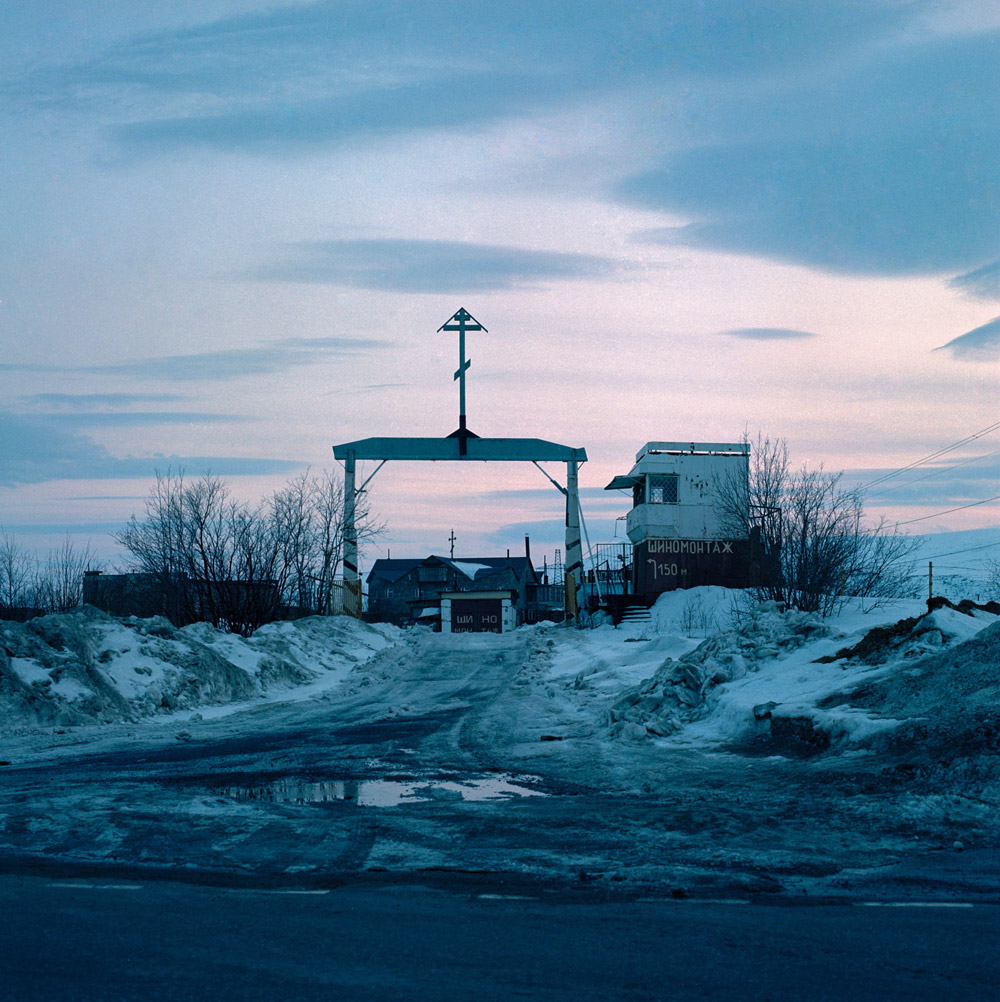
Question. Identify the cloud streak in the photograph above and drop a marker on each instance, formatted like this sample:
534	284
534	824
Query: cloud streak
902	183
979	345
234	363
767	334
139	419
88	401
428	266
982	283
322	73
229	363
34	450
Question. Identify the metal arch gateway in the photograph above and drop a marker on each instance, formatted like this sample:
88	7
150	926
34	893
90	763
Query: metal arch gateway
459	449
462	445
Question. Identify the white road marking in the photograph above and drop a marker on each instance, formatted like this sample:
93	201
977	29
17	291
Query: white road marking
279	890
711	901
693	901
99	887
915	904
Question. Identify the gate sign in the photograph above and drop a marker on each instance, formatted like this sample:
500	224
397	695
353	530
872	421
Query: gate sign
666	564
476	615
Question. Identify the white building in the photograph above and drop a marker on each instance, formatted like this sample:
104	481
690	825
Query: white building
679	538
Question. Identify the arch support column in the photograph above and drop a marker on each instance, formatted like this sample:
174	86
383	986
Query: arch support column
352	583
574	551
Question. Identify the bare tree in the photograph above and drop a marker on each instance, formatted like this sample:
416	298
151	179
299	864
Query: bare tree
811	545
59	584
17	568
310	512
160	549
33	586
239	565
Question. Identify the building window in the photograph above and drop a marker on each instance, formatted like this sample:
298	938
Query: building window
662	488
435	573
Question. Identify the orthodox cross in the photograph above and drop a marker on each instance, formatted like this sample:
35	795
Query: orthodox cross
451	538
462	321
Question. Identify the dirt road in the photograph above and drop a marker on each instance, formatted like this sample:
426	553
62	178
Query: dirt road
439	755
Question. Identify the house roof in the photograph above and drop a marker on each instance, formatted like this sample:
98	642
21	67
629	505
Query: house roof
389	569
471	568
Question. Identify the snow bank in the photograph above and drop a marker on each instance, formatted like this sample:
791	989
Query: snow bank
679	690
694	612
86	667
785	682
945	702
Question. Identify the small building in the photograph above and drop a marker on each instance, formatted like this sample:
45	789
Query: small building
142	595
680	538
181	599
410	590
477	612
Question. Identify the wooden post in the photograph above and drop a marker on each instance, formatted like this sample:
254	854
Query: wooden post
930	580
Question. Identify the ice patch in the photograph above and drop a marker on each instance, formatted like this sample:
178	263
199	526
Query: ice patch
387	792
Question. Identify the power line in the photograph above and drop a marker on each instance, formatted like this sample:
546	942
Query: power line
969	549
937	472
949	511
932	456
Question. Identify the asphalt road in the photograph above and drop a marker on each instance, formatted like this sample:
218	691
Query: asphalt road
104	940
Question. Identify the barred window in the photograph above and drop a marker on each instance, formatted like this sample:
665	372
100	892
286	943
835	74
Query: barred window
663	488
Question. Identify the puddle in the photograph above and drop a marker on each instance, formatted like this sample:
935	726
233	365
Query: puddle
387	792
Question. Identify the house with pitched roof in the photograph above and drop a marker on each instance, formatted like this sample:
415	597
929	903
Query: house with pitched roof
409	590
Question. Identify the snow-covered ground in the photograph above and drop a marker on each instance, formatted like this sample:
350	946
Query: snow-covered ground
708	670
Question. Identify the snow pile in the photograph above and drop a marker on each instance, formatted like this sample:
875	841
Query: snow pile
828	697
694	612
86	667
678	691
944	624
945	704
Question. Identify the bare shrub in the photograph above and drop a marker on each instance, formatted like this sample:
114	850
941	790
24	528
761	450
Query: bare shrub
695	618
59	583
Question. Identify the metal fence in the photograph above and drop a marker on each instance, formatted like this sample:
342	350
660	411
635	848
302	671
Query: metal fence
612	568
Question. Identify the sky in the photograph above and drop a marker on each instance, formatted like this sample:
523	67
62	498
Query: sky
232	228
